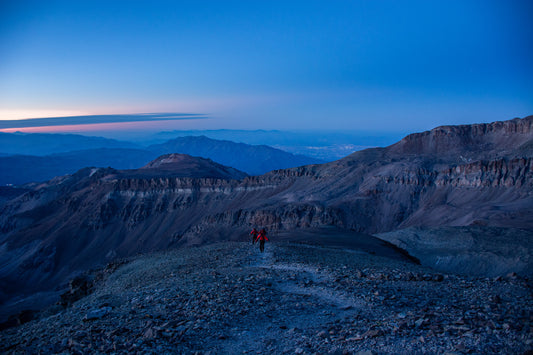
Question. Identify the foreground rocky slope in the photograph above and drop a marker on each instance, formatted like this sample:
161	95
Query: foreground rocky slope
479	175
293	299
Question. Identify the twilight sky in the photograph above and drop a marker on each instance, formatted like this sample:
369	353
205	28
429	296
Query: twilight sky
368	65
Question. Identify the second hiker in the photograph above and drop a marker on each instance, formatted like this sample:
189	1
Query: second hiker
254	234
262	237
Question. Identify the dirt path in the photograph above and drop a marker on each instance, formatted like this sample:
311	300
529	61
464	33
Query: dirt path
229	298
316	283
294	283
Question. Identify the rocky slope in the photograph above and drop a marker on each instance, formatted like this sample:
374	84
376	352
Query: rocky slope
293	299
67	225
73	223
472	250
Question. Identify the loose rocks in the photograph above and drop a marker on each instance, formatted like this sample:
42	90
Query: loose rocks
293	299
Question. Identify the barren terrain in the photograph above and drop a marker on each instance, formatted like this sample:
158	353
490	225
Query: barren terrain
229	298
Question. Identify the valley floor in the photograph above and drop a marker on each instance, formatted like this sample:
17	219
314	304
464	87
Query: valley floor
293	298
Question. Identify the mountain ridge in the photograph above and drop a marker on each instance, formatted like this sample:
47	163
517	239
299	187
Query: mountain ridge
446	140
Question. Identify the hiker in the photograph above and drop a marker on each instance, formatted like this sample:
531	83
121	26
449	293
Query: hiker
262	237
254	234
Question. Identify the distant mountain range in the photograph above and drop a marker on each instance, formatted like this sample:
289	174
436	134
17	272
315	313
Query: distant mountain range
324	145
41	144
21	169
479	177
252	159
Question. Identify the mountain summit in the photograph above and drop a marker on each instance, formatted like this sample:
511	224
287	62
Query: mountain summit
183	165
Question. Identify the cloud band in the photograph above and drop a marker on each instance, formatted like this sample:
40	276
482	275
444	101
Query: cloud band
97	119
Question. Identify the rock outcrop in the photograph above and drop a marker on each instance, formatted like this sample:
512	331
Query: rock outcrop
471	250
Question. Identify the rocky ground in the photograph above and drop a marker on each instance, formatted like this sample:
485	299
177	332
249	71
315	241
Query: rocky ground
292	299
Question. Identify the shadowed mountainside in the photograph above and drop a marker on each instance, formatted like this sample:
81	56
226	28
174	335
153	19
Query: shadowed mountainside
75	222
44	247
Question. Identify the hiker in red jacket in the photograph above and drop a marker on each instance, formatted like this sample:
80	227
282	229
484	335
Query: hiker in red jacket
262	237
254	234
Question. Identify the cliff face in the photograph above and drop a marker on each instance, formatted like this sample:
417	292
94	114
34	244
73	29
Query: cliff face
470	141
388	197
76	222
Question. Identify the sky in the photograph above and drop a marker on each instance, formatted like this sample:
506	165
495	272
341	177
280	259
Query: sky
287	65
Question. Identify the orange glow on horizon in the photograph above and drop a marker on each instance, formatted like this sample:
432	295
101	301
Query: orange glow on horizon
114	126
29	114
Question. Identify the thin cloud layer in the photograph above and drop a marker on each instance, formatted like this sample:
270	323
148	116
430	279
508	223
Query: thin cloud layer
98	119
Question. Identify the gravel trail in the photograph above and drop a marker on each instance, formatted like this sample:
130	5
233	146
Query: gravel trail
229	298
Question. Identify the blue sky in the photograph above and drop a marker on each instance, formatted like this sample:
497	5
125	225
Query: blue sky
371	65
